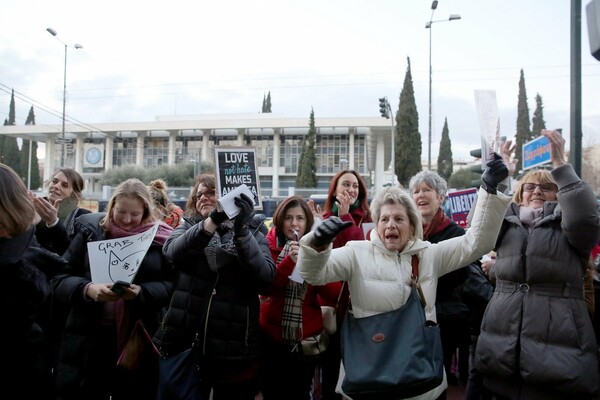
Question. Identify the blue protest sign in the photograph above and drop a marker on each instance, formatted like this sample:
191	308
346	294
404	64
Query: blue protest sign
536	152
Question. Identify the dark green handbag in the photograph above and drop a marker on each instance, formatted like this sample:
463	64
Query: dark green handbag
392	355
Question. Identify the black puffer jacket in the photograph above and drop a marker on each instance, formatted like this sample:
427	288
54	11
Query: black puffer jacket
23	297
85	317
216	293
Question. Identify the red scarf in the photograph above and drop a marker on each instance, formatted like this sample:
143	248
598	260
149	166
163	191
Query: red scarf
439	222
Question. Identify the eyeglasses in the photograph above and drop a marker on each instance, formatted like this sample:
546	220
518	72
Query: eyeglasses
207	194
544	187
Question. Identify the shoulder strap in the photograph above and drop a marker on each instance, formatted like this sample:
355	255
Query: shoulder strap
415	268
415	279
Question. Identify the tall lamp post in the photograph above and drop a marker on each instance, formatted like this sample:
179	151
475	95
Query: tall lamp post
76	46
428	25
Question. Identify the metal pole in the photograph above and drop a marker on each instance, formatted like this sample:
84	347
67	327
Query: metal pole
430	73
63	155
393	147
575	156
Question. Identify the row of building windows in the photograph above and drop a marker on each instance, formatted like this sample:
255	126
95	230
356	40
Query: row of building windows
331	151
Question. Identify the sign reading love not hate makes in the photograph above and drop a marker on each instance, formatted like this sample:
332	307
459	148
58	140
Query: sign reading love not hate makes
236	166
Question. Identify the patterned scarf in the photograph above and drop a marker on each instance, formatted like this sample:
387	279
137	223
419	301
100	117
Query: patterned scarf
291	319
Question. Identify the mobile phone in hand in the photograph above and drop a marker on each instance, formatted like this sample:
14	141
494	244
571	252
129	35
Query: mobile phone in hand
118	286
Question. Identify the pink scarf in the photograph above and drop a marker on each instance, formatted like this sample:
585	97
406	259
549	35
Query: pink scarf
160	238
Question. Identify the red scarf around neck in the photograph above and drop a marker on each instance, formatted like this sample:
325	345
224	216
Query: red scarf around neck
439	222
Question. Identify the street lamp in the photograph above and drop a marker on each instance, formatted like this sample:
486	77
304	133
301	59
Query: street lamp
428	25
76	46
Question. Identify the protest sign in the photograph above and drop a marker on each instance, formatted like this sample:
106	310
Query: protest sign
119	259
461	202
236	166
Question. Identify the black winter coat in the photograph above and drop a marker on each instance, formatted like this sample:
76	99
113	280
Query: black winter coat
23	296
215	298
85	317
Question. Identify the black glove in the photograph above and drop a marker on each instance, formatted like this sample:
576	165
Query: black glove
242	220
218	216
495	173
328	230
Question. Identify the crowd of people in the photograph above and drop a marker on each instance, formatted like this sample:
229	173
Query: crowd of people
224	308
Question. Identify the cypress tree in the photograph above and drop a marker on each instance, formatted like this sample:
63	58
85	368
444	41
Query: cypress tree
537	122
264	105
444	162
523	128
36	180
408	143
9	154
307	178
268	103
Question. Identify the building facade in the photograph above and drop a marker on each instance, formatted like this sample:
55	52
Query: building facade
361	144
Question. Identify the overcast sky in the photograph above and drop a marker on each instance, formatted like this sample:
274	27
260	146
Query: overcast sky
143	59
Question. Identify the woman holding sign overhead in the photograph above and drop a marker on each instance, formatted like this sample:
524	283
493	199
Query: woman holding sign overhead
101	318
209	338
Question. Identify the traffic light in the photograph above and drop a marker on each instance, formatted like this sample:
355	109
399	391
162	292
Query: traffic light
476	168
384	107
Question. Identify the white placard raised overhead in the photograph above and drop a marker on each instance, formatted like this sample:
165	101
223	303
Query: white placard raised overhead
119	259
489	124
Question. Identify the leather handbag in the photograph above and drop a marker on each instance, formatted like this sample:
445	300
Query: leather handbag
392	355
139	349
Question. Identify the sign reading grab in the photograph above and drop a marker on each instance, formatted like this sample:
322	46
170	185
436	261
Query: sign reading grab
536	152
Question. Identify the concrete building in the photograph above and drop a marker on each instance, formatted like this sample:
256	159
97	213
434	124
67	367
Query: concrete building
361	143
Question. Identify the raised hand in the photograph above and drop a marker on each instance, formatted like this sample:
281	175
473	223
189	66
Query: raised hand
242	220
495	173
557	147
506	151
328	230
218	216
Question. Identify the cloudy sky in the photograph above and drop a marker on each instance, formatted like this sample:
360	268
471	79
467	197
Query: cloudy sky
143	59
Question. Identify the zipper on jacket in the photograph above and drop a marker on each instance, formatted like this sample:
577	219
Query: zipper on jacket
208	307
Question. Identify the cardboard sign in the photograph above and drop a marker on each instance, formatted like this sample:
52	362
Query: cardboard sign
489	124
119	259
536	152
461	202
236	166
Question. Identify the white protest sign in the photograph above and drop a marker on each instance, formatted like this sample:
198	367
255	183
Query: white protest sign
489	124
227	202
119	259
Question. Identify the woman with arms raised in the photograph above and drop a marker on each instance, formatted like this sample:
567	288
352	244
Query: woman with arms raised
378	271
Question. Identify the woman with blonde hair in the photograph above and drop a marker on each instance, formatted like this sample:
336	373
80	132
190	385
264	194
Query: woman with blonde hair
100	319
543	346
169	212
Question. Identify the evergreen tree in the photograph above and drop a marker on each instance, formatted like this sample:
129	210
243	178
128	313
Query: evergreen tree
538	122
444	162
9	153
523	128
268	103
36	180
408	143
266	106
306	177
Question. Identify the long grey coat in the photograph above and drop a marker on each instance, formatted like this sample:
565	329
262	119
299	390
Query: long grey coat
537	340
